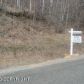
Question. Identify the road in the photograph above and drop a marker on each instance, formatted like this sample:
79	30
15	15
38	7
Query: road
62	73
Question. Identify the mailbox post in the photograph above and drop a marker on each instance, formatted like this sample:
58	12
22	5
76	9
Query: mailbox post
75	38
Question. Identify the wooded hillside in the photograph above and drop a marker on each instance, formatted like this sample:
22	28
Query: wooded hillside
62	13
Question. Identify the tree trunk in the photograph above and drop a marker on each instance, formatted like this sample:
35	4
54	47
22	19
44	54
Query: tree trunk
30	6
18	3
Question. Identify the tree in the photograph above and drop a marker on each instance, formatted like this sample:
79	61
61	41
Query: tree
18	3
30	5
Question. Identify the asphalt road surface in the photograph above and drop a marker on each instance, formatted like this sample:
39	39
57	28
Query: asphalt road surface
63	73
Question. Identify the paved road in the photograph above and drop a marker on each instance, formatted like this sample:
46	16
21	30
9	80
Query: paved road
64	73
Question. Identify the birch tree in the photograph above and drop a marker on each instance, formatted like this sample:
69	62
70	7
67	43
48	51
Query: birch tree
51	5
1	1
18	3
43	6
30	5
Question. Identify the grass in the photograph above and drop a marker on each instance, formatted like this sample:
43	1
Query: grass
42	48
24	43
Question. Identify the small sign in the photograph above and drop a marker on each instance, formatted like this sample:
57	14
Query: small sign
76	32
77	39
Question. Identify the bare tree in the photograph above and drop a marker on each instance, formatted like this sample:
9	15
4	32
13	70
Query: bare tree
30	5
51	5
43	6
18	3
1	1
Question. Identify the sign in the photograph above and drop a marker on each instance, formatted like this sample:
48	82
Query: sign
75	38
76	32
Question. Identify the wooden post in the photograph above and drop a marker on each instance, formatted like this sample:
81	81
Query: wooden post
71	43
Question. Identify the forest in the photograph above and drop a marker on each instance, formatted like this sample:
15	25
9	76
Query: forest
62	13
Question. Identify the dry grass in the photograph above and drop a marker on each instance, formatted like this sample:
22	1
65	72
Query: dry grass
38	49
23	43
